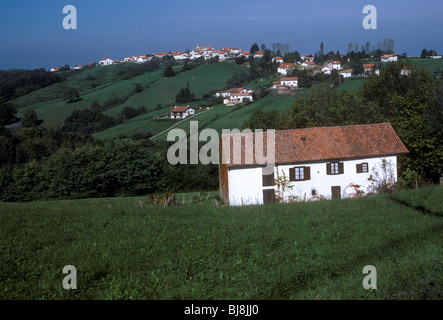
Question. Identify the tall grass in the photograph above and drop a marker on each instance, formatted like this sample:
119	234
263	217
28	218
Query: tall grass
125	250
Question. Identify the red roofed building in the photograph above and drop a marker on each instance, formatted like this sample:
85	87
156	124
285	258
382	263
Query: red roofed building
322	162
181	112
285	84
285	68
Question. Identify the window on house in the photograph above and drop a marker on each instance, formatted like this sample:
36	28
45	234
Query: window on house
299	173
334	168
362	167
314	192
268	180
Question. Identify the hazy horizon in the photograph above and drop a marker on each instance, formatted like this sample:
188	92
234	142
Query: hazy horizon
32	35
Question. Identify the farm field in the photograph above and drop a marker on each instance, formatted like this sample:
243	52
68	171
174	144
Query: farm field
74	79
220	117
431	65
352	84
123	249
156	90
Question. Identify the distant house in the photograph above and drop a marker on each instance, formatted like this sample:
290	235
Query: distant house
278	60
389	58
106	62
326	70
228	93
246	54
258	54
346	73
334	65
285	68
405	71
290	82
308	64
54	69
179	55
160	55
323	162
235	98
181	112
78	67
370	68
307	57
143	59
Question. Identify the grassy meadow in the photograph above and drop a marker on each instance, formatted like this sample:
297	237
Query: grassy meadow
123	249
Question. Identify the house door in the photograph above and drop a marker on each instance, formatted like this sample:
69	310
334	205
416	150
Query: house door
268	196
336	192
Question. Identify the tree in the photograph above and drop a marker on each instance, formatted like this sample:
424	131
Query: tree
262	120
71	95
30	119
169	72
432	53
254	49
424	53
184	96
7	113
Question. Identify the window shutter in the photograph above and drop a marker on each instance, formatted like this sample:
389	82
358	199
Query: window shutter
328	168
307	173
268	180
291	174
359	168
340	168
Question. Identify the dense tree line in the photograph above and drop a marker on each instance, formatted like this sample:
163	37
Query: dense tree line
16	83
40	164
413	104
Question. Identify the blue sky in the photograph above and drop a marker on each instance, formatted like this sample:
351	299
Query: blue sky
32	34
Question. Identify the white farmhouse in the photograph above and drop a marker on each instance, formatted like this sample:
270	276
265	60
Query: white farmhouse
290	82
285	68
278	60
324	162
235	98
389	58
334	65
106	62
346	73
180	112
228	93
258	54
326	70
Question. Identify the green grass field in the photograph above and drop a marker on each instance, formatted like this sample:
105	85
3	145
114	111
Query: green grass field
51	108
125	250
352	84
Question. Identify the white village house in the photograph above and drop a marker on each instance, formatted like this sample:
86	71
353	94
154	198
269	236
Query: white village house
181	112
334	65
290	82
106	62
285	68
389	58
328	162
235	98
346	73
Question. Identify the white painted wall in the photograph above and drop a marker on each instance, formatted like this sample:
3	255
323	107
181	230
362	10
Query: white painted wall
245	184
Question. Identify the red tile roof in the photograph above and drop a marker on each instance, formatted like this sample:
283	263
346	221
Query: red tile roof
235	90
180	109
328	143
286	65
368	65
289	79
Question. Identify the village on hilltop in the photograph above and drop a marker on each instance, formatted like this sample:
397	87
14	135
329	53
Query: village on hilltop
233	96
